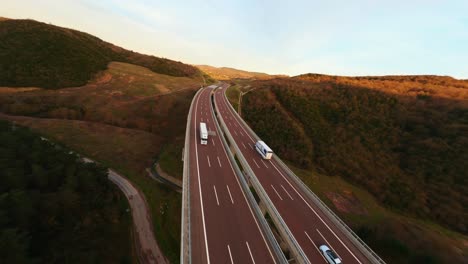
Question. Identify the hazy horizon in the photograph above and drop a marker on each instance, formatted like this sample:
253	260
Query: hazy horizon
349	39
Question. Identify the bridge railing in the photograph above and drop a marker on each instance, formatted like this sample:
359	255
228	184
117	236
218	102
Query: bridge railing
185	239
353	237
251	200
296	250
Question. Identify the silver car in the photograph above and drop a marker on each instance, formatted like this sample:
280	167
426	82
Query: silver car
329	255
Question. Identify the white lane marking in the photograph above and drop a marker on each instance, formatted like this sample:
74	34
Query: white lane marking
219	161
286	192
250	208
264	163
235	132
248	247
328	243
229	191
216	194
276	192
244	145
241	133
199	186
230	255
208	121
315	246
213	141
208	158
316	213
256	163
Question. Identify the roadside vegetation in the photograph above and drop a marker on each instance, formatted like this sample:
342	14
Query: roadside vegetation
233	93
170	158
129	152
54	208
400	138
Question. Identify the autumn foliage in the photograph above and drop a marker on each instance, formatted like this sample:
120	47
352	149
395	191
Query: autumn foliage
403	138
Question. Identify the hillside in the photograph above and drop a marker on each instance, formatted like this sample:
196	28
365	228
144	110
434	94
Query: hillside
36	54
118	107
54	207
225	73
402	138
126	118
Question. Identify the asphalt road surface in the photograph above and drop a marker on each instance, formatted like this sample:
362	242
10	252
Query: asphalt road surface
309	225
147	246
223	226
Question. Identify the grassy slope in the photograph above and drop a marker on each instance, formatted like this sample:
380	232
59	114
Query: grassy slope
328	124
130	118
224	73
43	55
124	95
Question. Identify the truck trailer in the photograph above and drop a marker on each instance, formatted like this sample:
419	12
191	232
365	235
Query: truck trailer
263	149
203	134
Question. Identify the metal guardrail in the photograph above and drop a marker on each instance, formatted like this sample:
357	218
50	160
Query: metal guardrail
370	254
251	200
185	239
357	241
276	217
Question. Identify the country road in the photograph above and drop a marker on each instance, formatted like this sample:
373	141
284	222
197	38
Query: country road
147	248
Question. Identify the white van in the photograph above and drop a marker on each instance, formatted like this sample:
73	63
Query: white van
263	149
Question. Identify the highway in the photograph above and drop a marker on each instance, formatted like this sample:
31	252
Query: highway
310	226
223	228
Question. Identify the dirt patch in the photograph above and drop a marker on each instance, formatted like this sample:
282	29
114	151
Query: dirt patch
17	89
162	88
104	78
347	202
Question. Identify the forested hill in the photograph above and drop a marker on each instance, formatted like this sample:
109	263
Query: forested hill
54	208
402	138
42	55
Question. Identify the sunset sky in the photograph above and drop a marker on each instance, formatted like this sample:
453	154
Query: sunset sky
362	37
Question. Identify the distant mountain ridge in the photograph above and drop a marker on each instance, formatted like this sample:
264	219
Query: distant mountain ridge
226	73
48	56
423	79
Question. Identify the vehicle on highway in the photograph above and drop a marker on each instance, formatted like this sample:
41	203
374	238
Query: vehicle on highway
263	149
329	255
203	134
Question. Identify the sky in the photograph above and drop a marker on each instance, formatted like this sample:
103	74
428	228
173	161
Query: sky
359	37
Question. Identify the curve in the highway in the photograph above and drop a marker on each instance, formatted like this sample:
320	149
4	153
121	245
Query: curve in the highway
223	228
310	226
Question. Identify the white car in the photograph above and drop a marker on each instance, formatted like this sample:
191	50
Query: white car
329	255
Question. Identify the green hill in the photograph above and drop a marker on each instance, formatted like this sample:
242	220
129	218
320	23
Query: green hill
42	55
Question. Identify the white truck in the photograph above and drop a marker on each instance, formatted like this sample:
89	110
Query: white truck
203	134
263	149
